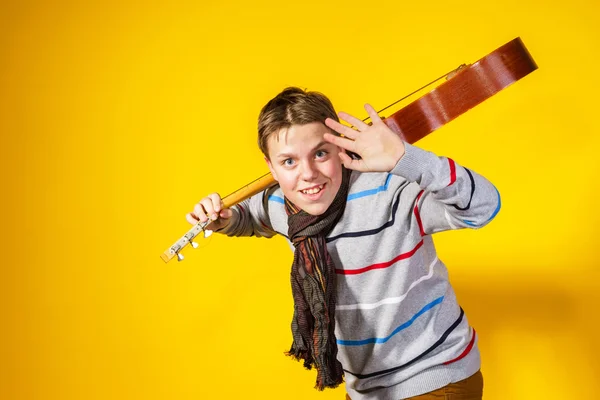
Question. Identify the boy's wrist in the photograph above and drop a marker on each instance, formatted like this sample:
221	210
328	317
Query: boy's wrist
396	156
399	153
223	224
410	165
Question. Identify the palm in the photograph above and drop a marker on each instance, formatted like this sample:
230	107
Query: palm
377	145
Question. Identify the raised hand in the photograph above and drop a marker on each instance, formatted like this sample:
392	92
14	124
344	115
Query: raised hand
378	146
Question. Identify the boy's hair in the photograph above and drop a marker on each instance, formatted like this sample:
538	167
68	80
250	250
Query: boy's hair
293	106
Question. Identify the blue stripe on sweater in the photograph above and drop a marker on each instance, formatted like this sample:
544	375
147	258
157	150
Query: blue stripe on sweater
276	199
398	329
471	223
353	196
441	340
371	192
384	187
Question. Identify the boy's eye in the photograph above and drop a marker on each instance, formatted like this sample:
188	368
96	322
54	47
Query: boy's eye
288	162
320	153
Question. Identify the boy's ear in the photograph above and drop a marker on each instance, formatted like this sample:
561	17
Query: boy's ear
271	168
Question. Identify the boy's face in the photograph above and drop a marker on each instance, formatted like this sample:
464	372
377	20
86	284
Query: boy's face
308	168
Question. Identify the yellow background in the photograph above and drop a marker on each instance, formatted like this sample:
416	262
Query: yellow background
116	118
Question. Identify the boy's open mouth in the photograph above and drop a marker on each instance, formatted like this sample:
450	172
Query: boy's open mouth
313	191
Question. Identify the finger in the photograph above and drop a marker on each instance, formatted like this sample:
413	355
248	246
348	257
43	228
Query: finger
191	218
216	201
351	163
339	128
200	212
226	213
207	203
353	120
372	113
344	143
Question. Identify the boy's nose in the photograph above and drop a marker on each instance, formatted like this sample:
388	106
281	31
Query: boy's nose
309	172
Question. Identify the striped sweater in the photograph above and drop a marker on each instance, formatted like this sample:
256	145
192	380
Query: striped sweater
400	330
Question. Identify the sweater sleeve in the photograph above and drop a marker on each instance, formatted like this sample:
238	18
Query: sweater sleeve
251	217
451	196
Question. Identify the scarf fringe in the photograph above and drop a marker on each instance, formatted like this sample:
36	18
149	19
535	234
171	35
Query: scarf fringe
324	379
301	355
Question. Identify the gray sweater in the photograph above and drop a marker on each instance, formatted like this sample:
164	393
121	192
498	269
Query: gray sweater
399	328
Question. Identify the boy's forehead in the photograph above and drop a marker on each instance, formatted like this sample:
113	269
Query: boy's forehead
296	137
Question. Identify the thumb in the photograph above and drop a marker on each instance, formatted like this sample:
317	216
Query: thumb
351	163
226	213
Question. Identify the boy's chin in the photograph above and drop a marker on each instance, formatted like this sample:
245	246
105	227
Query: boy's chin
312	207
315	209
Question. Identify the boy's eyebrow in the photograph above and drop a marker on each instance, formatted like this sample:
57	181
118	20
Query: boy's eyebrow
321	143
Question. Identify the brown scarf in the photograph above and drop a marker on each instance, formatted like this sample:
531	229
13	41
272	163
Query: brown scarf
313	288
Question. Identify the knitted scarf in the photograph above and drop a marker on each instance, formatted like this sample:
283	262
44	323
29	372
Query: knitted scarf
313	289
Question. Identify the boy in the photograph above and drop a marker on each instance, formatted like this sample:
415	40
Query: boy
372	301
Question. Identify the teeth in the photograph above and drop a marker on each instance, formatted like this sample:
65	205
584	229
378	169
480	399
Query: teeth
313	190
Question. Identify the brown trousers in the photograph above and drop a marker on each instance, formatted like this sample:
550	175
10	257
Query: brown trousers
467	389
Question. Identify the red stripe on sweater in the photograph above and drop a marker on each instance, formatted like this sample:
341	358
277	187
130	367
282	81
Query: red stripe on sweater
464	353
452	171
417	215
380	265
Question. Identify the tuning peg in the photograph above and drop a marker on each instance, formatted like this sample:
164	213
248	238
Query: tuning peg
194	244
180	257
207	233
